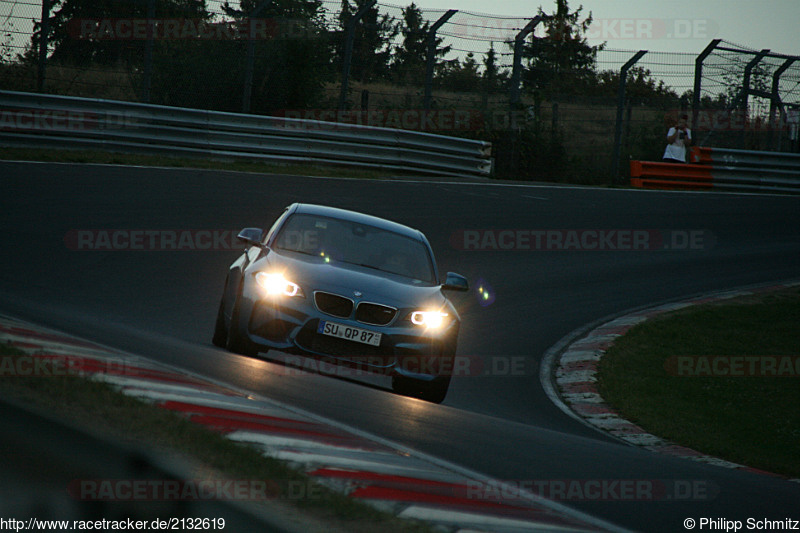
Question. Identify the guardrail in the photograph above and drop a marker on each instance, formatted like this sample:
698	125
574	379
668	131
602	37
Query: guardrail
746	159
653	175
40	120
719	168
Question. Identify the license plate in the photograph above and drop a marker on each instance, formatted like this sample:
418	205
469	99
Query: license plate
350	333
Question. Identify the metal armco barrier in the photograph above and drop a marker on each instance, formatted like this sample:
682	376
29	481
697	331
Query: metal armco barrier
652	175
725	169
40	120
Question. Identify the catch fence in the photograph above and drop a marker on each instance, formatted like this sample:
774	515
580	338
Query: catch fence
442	71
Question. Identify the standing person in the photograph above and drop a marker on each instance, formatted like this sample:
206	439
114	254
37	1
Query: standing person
678	138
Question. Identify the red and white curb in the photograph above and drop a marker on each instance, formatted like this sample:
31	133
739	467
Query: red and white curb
386	475
576	378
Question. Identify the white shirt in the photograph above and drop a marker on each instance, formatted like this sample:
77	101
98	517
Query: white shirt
677	150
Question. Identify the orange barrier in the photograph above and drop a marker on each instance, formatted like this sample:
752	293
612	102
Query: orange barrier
655	175
700	154
722	168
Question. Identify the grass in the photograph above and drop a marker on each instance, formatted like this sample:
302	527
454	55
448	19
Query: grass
113	158
113	82
751	420
86	403
588	127
586	123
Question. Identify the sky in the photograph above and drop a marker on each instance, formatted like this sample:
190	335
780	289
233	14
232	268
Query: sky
664	26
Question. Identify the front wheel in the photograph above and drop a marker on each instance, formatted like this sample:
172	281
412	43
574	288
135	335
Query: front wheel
238	341
220	337
433	391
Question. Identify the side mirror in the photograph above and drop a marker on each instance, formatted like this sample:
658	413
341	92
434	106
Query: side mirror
455	282
251	236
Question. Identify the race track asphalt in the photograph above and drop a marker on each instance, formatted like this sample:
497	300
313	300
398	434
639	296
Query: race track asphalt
498	421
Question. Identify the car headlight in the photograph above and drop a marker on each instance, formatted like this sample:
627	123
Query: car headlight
429	319
276	284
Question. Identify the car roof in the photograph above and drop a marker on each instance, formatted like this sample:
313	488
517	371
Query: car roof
360	218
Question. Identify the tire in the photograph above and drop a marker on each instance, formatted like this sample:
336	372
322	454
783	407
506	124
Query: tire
431	391
434	391
220	337
237	341
401	385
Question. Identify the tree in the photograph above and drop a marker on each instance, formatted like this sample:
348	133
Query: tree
372	48
409	58
494	78
733	79
459	76
72	44
640	87
6	39
303	10
288	69
562	61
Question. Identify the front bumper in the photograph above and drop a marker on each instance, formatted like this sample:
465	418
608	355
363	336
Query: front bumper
290	324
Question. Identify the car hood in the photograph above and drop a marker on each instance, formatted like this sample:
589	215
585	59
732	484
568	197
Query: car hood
313	274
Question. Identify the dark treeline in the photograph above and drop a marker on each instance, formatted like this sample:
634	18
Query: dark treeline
303	51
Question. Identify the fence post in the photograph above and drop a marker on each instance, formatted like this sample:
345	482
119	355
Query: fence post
516	72
44	34
514	89
626	139
251	56
553	118
430	62
348	51
623	78
148	52
748	72
698	78
773	103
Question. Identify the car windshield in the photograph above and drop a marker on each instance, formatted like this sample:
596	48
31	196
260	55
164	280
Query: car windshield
336	240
